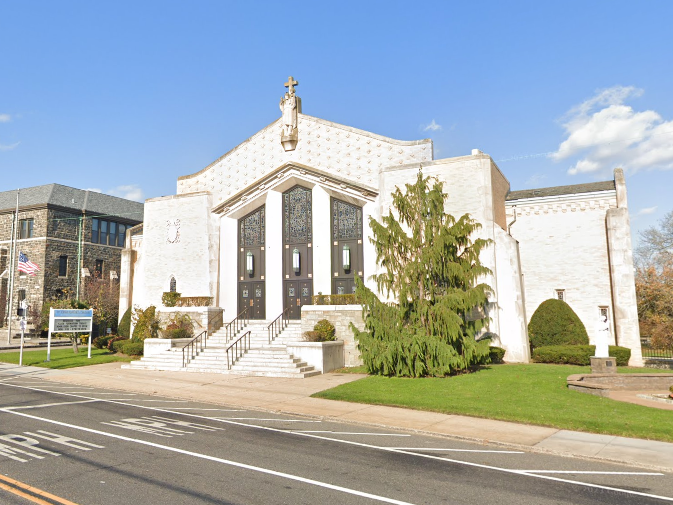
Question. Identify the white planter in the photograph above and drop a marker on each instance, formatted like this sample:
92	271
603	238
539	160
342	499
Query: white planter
324	356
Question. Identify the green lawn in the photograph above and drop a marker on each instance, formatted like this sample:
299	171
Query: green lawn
63	358
532	394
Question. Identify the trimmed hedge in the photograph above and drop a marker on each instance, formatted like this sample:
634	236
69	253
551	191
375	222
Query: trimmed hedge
577	354
349	299
555	323
102	341
117	345
325	329
111	342
496	354
131	348
170	298
124	327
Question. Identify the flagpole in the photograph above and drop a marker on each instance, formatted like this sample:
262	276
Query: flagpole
15	225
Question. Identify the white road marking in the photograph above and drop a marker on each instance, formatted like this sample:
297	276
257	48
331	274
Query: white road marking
349	433
370	446
143	400
196	408
453	450
267	471
268	419
22	407
591	472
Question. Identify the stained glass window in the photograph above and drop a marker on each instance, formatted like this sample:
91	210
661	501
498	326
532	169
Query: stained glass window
290	292
340	290
245	293
252	229
297	215
346	221
173	286
258	292
304	291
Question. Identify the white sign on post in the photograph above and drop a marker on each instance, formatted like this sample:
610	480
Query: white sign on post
69	321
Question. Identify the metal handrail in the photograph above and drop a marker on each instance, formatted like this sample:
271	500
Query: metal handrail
277	325
238	348
237	324
195	345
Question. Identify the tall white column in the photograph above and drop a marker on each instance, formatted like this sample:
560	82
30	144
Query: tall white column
274	254
322	242
229	267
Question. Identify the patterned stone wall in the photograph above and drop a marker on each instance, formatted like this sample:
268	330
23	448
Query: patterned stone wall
341	150
340	316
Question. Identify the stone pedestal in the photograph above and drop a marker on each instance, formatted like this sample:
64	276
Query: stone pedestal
290	141
603	365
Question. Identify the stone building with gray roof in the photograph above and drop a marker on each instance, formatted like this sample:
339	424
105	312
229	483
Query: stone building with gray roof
74	236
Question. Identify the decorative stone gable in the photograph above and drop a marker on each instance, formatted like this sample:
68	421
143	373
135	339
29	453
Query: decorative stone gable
341	150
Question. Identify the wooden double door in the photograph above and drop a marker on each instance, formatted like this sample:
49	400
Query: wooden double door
251	295
297	293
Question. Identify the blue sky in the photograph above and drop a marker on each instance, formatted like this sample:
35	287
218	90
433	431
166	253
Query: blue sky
126	96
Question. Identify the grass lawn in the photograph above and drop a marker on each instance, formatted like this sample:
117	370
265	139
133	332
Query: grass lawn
63	358
532	394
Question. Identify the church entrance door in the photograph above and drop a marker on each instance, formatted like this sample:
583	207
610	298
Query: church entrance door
251	264
297	293
297	250
252	296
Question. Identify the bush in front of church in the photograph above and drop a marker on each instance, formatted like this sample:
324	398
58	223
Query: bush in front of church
124	328
555	323
430	263
577	354
146	323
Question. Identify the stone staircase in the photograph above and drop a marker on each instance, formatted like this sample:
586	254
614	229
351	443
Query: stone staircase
262	359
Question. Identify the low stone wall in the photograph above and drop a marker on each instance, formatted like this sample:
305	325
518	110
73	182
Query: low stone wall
340	316
601	384
324	356
209	318
158	346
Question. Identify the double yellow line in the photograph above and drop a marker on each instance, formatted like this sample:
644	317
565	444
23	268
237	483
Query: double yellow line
31	493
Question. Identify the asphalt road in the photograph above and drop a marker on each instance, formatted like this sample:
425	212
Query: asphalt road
64	444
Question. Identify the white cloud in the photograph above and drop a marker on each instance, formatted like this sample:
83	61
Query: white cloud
8	147
432	127
647	210
5	118
609	134
130	192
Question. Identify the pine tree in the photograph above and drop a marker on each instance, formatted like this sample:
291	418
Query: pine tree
432	269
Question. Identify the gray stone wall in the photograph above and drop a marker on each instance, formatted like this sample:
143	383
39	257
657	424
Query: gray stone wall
340	316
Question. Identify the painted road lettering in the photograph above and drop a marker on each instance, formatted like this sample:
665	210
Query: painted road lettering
159	426
30	447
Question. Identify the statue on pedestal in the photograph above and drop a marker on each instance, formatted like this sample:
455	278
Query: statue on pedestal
290	105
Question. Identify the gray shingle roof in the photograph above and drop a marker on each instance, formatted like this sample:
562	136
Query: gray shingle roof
90	202
561	190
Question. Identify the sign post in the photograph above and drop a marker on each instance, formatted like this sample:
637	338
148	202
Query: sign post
22	325
69	321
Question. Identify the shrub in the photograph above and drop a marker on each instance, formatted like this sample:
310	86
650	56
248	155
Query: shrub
111	342
170	298
118	345
194	301
179	326
131	348
577	354
496	354
312	336
102	341
555	323
348	299
325	329
124	328
146	323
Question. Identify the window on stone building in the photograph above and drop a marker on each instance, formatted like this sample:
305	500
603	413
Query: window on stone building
98	270
26	228
561	294
103	232
22	295
603	312
112	238
63	266
94	231
173	285
122	235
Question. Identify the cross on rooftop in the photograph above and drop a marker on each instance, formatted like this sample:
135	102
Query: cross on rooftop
291	83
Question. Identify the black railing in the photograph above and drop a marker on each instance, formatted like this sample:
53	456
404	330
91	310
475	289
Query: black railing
659	353
237	324
194	347
237	349
277	325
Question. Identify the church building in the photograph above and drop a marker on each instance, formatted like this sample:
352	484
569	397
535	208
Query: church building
284	216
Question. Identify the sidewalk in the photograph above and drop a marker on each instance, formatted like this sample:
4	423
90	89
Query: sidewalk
292	396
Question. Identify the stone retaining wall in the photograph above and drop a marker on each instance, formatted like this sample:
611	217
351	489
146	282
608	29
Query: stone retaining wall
340	316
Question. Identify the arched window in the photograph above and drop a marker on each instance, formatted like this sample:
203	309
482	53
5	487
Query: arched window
173	287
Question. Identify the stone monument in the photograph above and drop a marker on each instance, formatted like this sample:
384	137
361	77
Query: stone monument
290	106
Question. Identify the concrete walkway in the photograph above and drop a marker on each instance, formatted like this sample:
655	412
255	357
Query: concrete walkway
292	396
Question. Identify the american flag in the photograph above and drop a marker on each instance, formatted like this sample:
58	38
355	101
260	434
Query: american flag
27	266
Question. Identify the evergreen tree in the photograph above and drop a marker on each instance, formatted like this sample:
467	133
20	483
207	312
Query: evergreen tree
432	268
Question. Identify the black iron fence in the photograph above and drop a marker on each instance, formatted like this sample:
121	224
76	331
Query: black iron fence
650	351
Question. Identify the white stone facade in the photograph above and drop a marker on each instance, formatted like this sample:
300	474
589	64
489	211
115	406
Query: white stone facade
539	243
